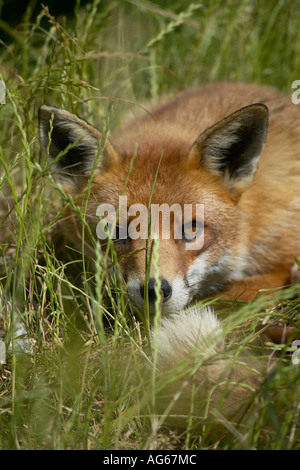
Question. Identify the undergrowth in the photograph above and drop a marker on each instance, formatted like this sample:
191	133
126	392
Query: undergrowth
80	377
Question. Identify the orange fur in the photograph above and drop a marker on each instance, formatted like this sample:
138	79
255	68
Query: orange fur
259	225
206	147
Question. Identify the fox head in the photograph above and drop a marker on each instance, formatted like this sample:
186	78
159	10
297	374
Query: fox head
166	169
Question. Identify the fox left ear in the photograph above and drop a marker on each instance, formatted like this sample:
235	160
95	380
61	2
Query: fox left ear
74	143
231	148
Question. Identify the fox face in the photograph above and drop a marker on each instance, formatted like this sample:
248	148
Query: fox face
163	169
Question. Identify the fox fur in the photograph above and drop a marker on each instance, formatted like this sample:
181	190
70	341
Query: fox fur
235	148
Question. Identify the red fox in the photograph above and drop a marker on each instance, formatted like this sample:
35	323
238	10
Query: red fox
233	148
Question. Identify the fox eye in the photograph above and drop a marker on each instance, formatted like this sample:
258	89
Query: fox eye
121	236
118	234
191	230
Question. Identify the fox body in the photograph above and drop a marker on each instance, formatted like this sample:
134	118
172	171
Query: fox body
233	148
198	147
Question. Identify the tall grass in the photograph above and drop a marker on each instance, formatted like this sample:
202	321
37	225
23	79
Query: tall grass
81	381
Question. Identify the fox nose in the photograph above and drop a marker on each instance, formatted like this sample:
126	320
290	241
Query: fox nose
165	288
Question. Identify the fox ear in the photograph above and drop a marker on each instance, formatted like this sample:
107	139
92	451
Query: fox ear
83	140
231	148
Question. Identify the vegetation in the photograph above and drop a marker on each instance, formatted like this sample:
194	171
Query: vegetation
80	380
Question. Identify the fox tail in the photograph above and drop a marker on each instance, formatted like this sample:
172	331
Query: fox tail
198	380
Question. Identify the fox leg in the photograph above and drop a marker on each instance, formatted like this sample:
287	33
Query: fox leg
248	287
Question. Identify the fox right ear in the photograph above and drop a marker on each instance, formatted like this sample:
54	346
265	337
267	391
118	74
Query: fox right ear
76	140
231	148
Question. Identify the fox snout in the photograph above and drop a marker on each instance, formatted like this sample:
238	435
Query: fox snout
175	294
165	289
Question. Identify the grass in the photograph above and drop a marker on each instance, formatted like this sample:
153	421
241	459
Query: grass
83	385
